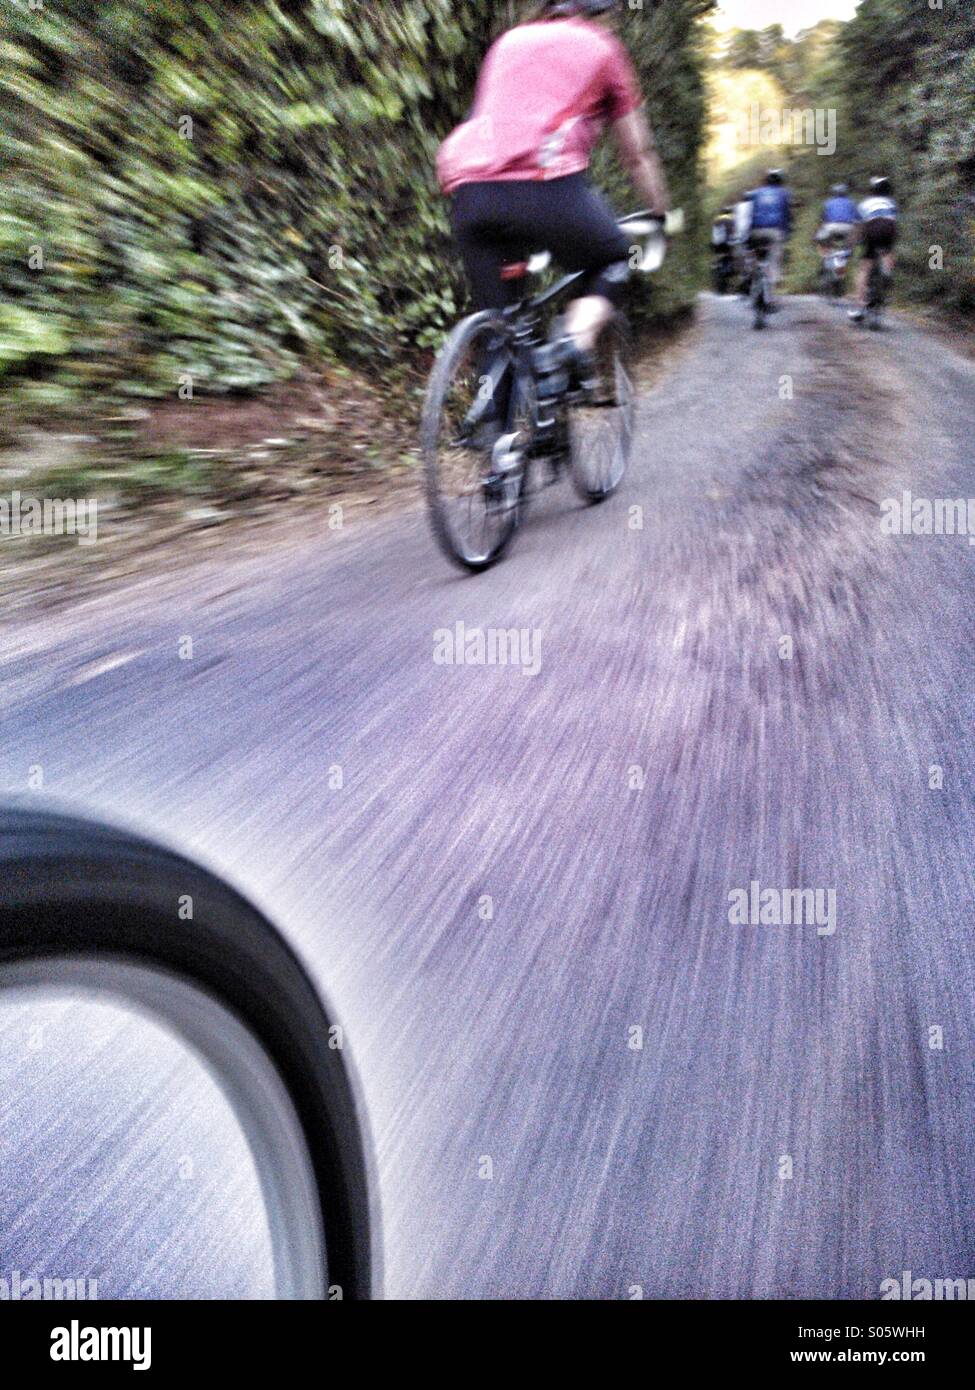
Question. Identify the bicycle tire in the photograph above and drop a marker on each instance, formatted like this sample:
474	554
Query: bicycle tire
449	360
79	888
590	490
881	304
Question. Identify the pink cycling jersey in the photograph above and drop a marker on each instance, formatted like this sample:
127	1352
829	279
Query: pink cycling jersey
544	94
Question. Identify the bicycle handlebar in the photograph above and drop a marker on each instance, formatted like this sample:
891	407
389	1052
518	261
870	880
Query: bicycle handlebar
653	230
671	224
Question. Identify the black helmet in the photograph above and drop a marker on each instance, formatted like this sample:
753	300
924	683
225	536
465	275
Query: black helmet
839	190
569	7
727	210
775	176
881	186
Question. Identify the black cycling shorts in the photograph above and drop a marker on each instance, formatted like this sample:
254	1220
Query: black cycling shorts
501	222
879	237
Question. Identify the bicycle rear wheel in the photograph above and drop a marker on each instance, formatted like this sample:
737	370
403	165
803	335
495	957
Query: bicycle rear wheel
87	908
601	426
760	299
875	298
474	507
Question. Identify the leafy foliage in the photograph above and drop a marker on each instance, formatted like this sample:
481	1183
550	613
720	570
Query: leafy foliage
666	41
906	78
219	191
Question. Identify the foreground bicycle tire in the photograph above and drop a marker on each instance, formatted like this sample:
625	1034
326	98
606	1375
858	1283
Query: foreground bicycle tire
473	533
77	897
598	471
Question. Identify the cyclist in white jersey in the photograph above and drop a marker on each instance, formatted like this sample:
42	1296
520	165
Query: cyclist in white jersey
878	237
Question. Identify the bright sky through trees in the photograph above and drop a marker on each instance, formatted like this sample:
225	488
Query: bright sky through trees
793	15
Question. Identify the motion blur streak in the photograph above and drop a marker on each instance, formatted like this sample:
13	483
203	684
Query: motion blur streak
505	1035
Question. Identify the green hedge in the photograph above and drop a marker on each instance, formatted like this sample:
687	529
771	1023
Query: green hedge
224	190
906	74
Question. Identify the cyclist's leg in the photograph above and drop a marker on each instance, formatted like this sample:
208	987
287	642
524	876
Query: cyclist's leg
761	250
860	289
578	226
888	251
864	273
776	248
486	242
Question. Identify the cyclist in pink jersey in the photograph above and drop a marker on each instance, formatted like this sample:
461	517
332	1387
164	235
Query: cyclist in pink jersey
515	170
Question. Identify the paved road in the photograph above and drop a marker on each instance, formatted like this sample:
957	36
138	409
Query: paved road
752	685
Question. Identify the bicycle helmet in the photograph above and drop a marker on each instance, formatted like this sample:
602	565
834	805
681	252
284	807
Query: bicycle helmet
587	7
775	176
839	190
881	186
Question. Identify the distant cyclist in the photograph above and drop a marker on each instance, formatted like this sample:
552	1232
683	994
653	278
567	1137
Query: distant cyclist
516	169
723	249
743	226
840	216
771	224
878	235
723	228
743	219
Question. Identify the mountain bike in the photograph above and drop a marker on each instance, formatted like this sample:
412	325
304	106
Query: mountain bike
722	269
877	286
832	276
760	286
89	910
477	487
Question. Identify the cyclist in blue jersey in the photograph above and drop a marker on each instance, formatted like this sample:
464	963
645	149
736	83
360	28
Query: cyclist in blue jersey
878	236
771	223
840	216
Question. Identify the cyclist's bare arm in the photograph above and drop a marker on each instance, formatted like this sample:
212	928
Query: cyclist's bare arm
638	151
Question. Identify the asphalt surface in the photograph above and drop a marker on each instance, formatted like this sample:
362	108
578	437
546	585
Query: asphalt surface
519	870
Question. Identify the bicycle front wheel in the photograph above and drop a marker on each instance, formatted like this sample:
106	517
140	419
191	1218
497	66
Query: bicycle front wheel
92	912
601	425
474	505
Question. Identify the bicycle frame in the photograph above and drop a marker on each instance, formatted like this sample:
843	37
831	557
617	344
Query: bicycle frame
524	318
